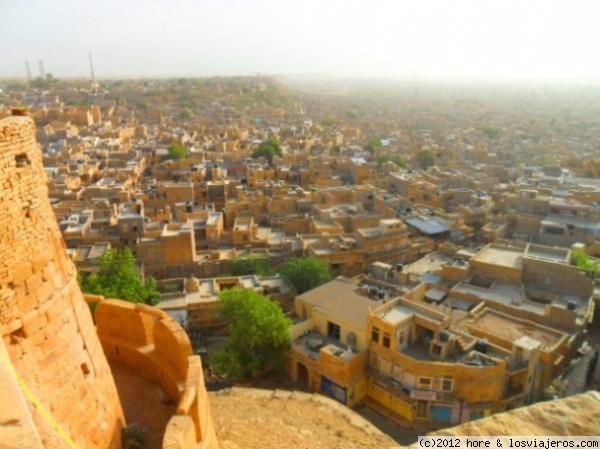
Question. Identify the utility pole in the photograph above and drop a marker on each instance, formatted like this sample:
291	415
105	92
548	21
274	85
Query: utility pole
92	67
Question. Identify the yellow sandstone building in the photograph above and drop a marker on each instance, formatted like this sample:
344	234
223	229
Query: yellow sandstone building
451	338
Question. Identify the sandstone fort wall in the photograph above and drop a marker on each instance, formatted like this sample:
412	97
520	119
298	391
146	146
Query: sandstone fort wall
50	344
155	346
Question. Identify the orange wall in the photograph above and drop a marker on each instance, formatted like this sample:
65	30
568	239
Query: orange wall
152	344
45	324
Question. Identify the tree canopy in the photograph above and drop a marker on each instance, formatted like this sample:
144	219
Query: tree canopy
425	159
587	263
268	149
119	278
372	143
250	264
491	132
396	159
328	121
176	151
257	334
305	273
399	161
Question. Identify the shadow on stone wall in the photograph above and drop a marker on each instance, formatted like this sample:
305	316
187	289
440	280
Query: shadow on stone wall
155	346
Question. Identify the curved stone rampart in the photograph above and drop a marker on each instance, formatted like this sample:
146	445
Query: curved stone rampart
155	346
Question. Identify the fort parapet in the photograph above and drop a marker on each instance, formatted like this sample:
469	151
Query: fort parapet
64	392
56	385
155	346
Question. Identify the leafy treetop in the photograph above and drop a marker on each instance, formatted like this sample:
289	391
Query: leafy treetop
305	273
257	334
250	264
119	278
587	263
425	159
176	151
268	149
372	143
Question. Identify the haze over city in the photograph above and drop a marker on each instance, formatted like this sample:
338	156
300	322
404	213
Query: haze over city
326	224
351	38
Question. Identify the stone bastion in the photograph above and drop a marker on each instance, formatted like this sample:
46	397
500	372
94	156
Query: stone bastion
57	387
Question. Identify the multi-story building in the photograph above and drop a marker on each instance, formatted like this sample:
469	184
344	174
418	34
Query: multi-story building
448	339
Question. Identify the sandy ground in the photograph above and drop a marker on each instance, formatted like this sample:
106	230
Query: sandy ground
141	403
252	418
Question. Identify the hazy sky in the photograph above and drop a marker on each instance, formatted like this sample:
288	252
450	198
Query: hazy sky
351	38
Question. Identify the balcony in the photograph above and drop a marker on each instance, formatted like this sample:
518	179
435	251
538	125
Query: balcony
406	393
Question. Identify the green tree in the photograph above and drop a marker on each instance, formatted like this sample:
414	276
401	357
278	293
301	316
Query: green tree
425	159
305	273
328	121
250	264
176	151
491	132
382	160
399	161
352	114
257	334
268	149
546	159
586	262
372	143
119	278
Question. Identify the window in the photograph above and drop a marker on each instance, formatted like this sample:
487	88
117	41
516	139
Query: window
375	334
400	338
424	382
398	373
386	340
447	384
333	330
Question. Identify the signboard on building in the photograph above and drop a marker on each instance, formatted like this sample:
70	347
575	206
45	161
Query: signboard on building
332	389
423	395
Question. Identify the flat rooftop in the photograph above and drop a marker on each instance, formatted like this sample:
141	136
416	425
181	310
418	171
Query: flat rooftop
311	344
401	312
500	292
549	254
501	256
511	329
429	263
341	298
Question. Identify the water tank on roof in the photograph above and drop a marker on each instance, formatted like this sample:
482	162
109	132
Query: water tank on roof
571	305
481	346
351	340
399	267
381	293
444	336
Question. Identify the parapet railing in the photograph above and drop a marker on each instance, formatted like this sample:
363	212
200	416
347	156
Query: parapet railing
155	346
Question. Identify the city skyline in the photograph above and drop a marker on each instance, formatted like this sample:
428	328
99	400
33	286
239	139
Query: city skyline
383	39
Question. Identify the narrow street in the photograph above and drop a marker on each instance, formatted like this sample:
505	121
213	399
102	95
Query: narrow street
575	380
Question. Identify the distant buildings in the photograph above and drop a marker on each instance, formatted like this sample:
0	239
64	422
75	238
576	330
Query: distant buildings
456	297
